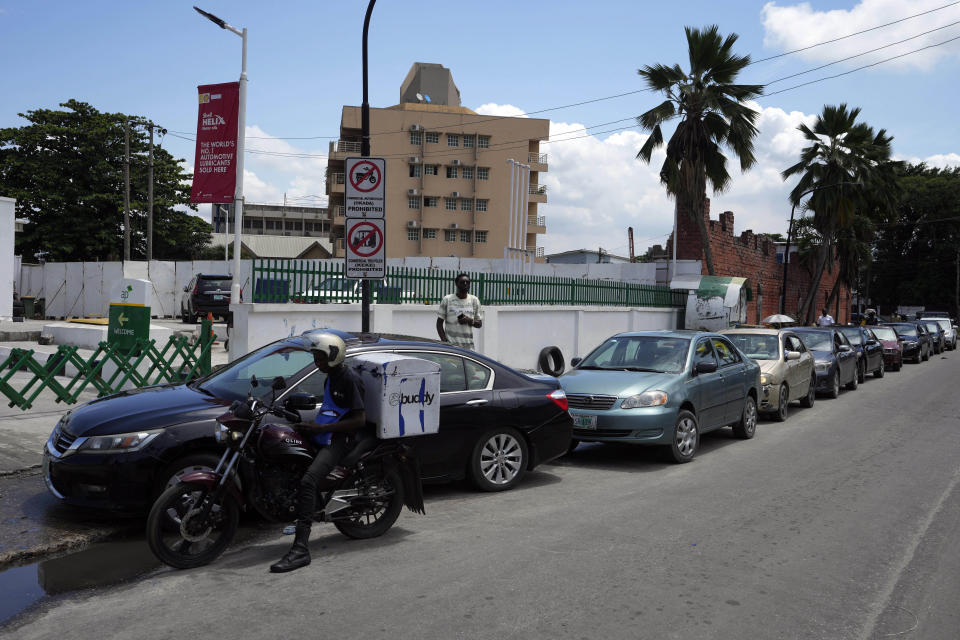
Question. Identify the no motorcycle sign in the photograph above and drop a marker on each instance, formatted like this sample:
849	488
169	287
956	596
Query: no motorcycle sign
364	187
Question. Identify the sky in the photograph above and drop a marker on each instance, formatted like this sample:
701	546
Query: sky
572	62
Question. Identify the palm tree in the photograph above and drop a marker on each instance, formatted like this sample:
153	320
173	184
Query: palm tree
712	115
847	170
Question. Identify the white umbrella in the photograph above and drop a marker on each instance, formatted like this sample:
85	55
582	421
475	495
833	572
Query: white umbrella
777	318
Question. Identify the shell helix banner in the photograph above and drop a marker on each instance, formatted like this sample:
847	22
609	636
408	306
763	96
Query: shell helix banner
215	161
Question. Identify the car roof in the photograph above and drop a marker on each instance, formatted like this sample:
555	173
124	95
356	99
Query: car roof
760	331
686	334
213	276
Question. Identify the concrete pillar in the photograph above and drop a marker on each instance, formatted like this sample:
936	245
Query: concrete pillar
7	230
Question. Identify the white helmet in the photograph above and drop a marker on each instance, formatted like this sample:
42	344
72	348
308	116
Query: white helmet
330	345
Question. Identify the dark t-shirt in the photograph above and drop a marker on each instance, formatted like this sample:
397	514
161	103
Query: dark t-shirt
345	388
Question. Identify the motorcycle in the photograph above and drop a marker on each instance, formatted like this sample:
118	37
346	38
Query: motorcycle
194	521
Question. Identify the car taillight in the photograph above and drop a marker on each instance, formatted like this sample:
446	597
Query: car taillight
196	289
559	398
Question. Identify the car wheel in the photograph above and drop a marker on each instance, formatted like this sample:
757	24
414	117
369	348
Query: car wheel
880	370
499	460
686	437
746	428
783	402
182	466
574	443
861	373
926	355
854	381
835	387
184	316
811	396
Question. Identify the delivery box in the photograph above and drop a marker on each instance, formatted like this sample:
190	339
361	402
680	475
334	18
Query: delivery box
401	394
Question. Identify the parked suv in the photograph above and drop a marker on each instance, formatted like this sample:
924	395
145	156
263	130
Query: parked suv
206	293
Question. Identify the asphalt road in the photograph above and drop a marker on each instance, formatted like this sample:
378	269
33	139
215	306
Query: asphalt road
839	523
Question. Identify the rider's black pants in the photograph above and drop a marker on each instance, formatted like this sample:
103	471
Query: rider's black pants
323	464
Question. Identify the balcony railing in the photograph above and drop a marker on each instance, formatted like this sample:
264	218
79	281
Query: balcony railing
537	189
538	158
338	178
338	211
540	252
537	221
344	146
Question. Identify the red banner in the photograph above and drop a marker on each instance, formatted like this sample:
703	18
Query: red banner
215	162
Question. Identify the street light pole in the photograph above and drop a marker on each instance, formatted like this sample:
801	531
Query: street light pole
365	152
241	137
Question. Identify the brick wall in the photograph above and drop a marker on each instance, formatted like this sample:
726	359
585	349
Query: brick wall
754	257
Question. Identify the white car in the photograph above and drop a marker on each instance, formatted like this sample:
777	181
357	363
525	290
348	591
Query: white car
949	333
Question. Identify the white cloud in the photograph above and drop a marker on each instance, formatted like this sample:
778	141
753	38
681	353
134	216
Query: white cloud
796	26
939	160
507	110
275	167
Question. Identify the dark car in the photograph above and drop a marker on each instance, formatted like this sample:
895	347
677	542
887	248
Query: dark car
937	336
892	347
120	451
869	351
206	293
835	359
915	342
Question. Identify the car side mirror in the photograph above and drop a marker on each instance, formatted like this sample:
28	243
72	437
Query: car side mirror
575	361
793	355
278	384
844	348
300	402
871	342
186	289
706	367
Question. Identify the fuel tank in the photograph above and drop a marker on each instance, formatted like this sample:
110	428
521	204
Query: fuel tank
281	441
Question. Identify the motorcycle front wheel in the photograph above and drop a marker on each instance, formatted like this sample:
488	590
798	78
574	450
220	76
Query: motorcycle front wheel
181	535
375	509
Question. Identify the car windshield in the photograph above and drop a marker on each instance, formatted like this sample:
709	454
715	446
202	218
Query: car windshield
817	340
945	324
758	347
853	334
884	333
639	353
213	285
932	327
906	330
233	381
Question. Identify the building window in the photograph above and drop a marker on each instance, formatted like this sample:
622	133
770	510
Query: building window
468	173
466	204
451	172
429	234
413	202
432	137
449	235
414	171
453	140
480	236
468	142
430	201
269	224
416	138
450	204
483	142
481	205
464	236
413	234
431	169
483	173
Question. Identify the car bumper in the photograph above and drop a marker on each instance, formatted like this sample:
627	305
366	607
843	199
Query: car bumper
911	352
648	425
551	440
825	380
112	482
892	359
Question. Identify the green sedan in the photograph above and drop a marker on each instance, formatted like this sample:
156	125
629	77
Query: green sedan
662	388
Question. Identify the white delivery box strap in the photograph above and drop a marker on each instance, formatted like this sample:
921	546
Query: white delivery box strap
401	393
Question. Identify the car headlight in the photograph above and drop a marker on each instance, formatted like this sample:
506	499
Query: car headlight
822	366
645	399
120	443
764	379
911	343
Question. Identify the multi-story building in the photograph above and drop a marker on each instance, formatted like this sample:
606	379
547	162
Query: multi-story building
275	230
448	177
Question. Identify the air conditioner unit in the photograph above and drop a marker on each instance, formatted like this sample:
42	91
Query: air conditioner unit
454	225
456	163
414	160
412	224
455	194
413	192
415	127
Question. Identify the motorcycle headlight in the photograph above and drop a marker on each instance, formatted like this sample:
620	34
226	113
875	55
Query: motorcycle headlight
645	399
120	443
220	433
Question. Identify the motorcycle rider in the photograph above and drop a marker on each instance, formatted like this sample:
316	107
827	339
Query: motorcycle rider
337	428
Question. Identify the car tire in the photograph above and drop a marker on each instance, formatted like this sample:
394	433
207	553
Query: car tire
574	443
861	373
184	317
783	403
686	438
811	396
854	381
835	387
499	460
746	427
880	370
926	355
180	467
551	361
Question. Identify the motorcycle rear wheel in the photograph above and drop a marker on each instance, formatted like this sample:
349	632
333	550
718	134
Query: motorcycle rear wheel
384	501
176	534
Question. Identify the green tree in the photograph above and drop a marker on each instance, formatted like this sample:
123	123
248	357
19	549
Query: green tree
65	169
712	115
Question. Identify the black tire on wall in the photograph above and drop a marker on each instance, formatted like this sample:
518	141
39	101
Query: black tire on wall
551	361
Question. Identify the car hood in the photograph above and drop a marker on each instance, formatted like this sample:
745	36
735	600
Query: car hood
621	383
770	367
823	356
141	410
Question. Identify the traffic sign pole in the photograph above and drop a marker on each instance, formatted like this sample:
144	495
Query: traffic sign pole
365	152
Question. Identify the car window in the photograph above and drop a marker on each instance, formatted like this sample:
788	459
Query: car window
312	384
478	376
233	381
452	373
795	344
726	354
703	352
213	285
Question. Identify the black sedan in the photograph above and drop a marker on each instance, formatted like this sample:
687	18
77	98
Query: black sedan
869	351
915	341
835	360
119	452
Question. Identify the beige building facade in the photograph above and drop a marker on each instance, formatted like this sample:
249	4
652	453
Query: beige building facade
447	172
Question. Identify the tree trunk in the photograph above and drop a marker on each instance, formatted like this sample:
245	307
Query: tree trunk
833	296
705	241
810	301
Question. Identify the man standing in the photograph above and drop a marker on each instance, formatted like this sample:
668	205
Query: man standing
825	319
459	315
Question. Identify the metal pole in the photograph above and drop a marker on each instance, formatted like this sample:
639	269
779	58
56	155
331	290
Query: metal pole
150	199
786	261
365	152
126	190
507	253
676	221
238	194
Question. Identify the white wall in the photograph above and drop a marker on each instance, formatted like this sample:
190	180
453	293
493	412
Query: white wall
7	231
513	335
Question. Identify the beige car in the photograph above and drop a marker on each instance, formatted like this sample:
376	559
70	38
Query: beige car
786	367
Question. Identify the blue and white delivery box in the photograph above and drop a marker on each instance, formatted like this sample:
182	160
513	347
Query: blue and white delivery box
401	393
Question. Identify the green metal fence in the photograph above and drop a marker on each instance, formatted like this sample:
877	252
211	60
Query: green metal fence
304	281
180	360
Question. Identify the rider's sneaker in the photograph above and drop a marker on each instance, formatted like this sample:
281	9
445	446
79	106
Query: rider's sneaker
338	473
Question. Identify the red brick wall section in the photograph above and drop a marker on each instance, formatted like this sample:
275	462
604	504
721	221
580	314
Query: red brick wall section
754	257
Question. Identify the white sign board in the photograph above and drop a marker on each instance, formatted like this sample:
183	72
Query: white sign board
365	249
364	188
132	291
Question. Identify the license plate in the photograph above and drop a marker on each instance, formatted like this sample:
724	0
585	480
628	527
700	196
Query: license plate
218	297
585	422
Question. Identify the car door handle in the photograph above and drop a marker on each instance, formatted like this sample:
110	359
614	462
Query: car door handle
476	403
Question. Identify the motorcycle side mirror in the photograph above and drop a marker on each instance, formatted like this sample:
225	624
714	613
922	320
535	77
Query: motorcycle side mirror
254	382
300	402
278	384
575	361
